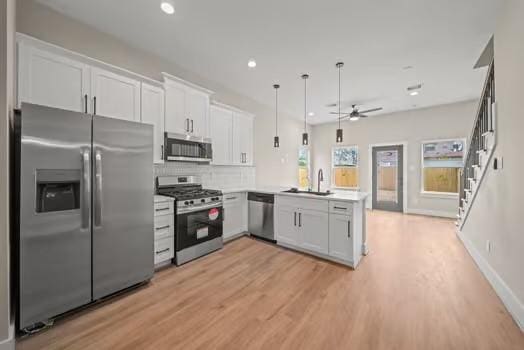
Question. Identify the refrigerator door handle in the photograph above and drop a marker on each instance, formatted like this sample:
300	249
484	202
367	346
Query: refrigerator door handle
86	195
98	188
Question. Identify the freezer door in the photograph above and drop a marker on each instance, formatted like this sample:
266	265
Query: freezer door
53	235
123	189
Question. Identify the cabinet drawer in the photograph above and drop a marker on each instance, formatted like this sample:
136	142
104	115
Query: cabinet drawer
344	208
231	198
164	208
164	226
303	203
164	249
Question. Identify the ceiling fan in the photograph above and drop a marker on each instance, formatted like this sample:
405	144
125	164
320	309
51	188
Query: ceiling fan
355	114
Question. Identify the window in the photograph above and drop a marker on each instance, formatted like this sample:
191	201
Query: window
303	168
441	164
345	166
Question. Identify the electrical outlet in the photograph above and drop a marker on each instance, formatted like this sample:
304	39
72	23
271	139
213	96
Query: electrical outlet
488	245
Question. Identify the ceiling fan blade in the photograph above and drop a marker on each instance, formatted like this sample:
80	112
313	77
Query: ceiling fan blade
371	110
342	114
362	115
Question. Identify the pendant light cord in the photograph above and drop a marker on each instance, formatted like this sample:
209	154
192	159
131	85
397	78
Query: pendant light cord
305	104
339	96
276	111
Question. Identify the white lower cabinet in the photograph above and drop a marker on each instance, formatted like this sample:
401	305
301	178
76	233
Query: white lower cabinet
340	237
235	214
318	227
164	230
287	225
314	225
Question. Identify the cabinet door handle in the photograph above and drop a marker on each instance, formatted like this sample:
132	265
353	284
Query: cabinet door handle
299	219
349	228
230	198
85	103
192	130
162	227
295	218
162	209
162	251
186	122
94	105
162	152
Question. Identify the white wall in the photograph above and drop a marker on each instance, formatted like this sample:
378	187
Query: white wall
497	213
43	23
7	25
413	127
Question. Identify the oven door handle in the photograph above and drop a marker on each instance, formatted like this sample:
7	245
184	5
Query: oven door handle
197	209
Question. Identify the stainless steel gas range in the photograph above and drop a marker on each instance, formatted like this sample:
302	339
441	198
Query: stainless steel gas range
199	216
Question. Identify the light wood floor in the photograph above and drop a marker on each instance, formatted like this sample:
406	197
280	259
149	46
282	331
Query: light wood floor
417	289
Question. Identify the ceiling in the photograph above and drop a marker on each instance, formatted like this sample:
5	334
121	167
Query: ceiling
377	39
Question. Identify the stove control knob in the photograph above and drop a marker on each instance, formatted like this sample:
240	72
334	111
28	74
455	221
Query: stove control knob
191	202
186	202
203	200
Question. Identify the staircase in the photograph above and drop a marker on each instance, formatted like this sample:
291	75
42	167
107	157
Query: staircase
482	142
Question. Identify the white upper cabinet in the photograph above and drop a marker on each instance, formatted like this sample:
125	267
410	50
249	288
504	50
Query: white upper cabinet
221	127
242	139
187	107
49	79
197	108
115	95
152	112
176	120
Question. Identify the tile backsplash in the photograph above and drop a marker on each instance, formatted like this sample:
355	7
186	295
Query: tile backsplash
215	177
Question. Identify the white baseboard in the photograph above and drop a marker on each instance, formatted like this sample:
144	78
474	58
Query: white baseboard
512	303
427	212
8	344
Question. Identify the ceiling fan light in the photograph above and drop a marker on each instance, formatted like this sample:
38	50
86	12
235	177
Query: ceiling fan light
354	118
276	142
305	140
340	137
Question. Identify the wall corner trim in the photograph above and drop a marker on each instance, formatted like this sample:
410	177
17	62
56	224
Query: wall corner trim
509	299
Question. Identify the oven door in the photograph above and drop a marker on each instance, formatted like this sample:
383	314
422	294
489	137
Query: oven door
197	227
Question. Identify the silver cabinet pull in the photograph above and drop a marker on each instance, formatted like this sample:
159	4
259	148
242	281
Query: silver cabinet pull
162	209
162	251
340	208
230	198
98	188
299	219
94	105
162	152
162	227
192	130
295	218
86	199
85	103
349	228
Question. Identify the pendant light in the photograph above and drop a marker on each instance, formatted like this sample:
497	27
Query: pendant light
276	143
305	140
340	137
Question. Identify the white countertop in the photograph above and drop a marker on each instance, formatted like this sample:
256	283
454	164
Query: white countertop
159	198
344	196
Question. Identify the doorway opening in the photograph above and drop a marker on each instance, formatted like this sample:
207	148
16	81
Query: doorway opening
388	178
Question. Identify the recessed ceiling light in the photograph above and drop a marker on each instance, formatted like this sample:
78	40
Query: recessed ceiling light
311	114
413	93
167	7
252	63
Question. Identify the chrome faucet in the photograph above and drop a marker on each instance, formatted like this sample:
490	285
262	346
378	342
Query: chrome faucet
320	178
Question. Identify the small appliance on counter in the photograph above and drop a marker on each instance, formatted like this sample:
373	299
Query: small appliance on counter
82	213
199	216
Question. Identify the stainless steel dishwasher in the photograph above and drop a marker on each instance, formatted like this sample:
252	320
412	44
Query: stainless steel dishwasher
260	223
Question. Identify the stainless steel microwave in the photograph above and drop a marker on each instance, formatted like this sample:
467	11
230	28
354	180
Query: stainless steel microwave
187	148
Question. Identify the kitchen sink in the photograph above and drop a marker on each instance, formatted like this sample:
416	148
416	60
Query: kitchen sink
308	192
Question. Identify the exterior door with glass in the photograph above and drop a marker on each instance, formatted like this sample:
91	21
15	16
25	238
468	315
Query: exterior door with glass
388	178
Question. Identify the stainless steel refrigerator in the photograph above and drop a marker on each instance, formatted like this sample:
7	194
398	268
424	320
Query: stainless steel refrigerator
83	205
